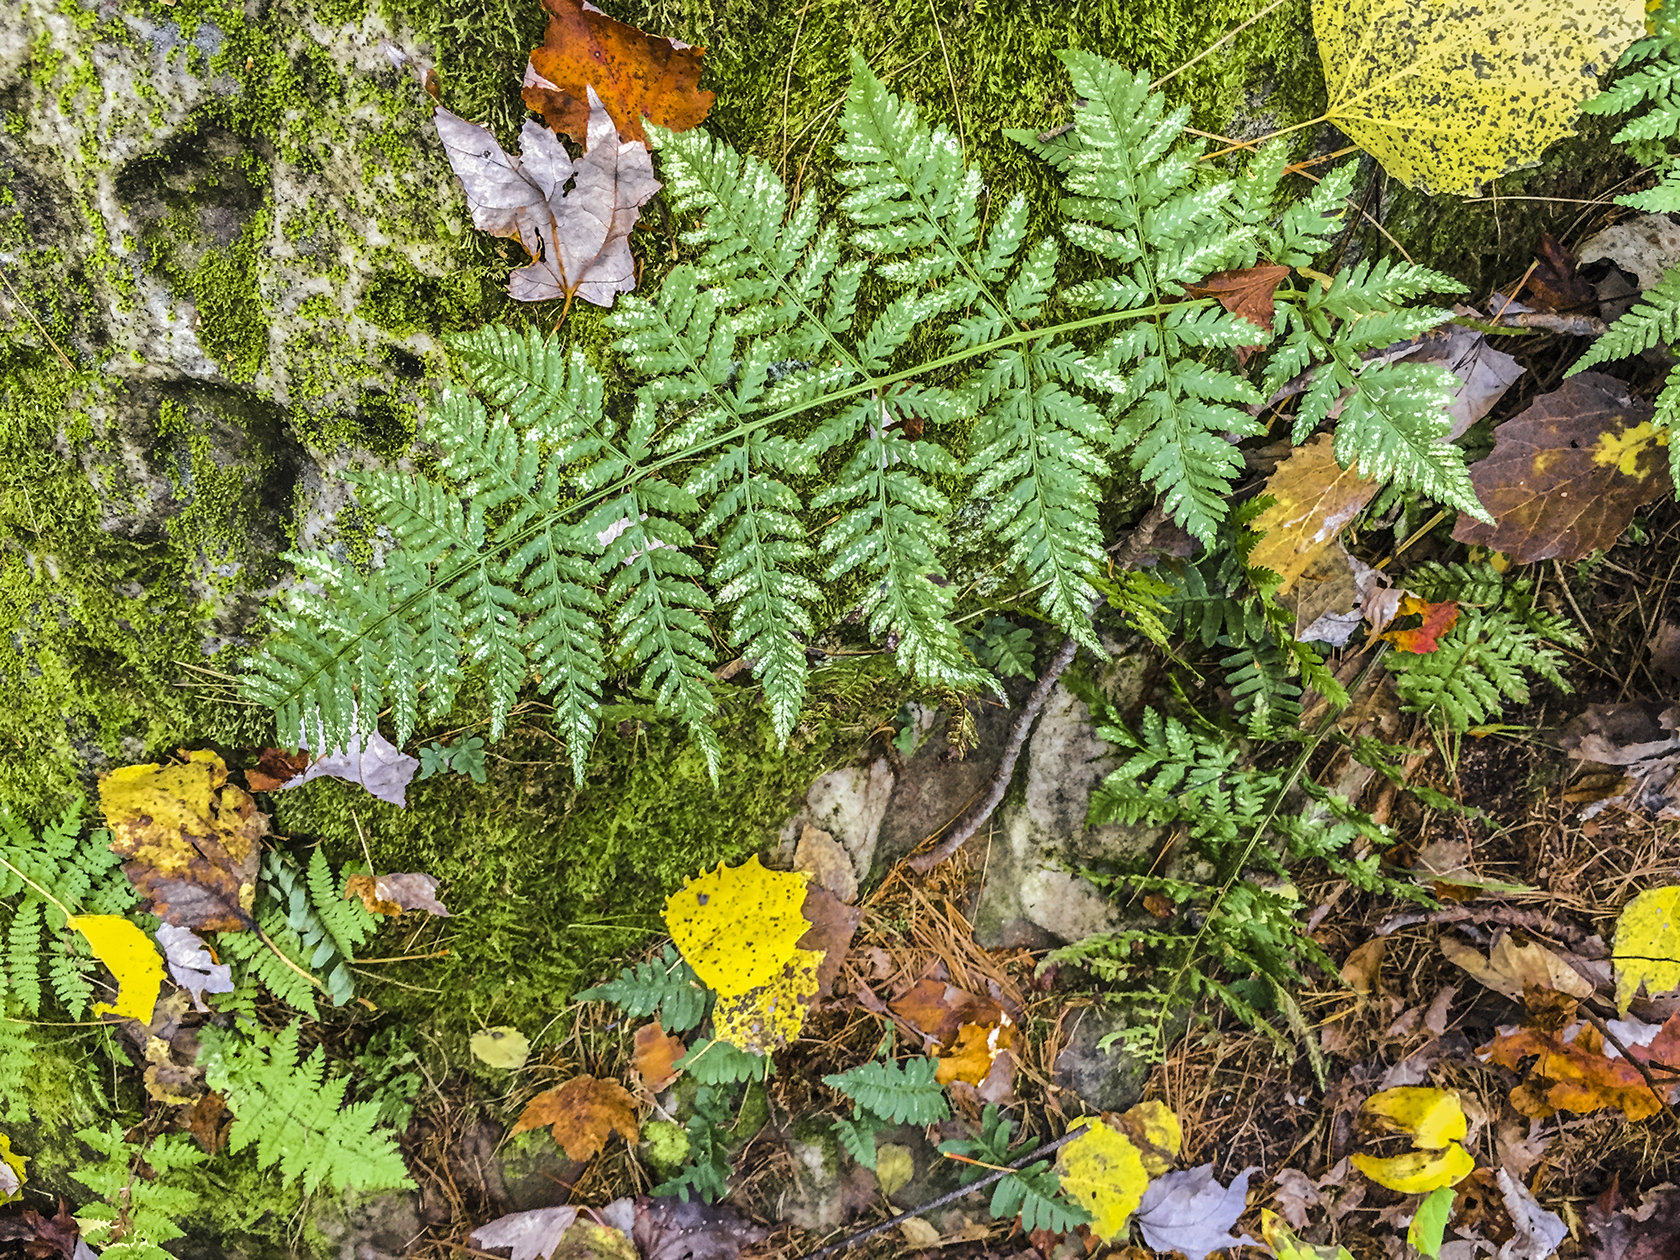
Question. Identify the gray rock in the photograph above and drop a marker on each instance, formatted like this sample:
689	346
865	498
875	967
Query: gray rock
824	1188
1104	1080
365	1228
849	804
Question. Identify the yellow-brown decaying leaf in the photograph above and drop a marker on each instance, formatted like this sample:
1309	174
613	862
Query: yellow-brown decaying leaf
737	927
833	924
190	839
1565	477
1448	95
1648	945
1572	1072
393	894
1154	1129
582	1114
1104	1173
771	1014
971	1056
1418	1172
132	958
938	1009
1433	1117
656	1051
1514	969
1315	497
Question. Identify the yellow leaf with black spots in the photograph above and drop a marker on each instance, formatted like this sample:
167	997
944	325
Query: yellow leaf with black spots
738	926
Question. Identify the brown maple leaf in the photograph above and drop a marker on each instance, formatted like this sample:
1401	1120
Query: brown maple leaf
1572	1072
192	840
656	1054
1437	620
940	1009
275	767
582	1114
635	74
572	217
1248	292
1554	284
1566	476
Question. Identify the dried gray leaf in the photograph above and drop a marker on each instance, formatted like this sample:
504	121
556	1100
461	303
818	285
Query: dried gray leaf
191	966
1538	1231
413	891
379	766
532	1235
1190	1212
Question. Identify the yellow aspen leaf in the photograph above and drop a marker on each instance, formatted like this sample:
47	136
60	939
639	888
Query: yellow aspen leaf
1155	1131
1314	498
1103	1172
1418	1172
768	1015
12	1177
738	926
132	958
1449	96
1648	945
502	1047
1286	1246
1434	1117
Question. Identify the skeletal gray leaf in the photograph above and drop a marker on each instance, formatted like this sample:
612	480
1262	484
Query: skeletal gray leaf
379	766
1191	1212
191	966
532	1235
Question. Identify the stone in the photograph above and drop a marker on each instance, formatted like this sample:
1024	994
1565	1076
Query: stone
849	804
822	856
1104	1080
824	1189
365	1227
1026	899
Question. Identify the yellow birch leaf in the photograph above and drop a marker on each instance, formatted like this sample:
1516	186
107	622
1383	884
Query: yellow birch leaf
1314	498
1648	945
503	1046
132	958
768	1015
1418	1172
1155	1124
1433	1117
1449	95
1283	1242
738	926
1102	1172
13	1180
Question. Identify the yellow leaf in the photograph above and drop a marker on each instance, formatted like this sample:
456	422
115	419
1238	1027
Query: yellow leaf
1449	96
768	1015
11	1185
894	1166
1315	497
1287	1246
502	1047
1102	1171
1418	1172
1432	1116
1157	1126
132	958
1648	945
738	926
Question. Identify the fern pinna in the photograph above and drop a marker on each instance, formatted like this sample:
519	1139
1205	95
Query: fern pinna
785	433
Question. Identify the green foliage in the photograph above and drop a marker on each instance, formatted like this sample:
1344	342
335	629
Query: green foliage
667	985
139	1202
295	1116
1652	85
892	1092
17	1055
720	1063
1485	661
1033	1192
792	430
464	756
707	1172
83	874
387	1072
1004	648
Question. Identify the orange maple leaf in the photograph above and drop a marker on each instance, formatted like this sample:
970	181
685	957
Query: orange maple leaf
1437	620
970	1057
656	1052
582	1114
1572	1072
635	74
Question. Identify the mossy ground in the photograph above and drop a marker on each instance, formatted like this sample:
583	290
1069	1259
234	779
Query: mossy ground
114	611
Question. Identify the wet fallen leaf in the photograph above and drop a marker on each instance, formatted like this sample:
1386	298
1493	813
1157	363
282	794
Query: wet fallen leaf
1449	97
833	924
393	894
1418	1172
1286	1246
939	1009
191	840
274	769
132	958
1554	284
636	75
1297	1195
533	1235
770	1014
1246	292
56	1235
918	1233
1433	1117
894	1167
1103	1172
204	1122
669	1229
1566	476
1538	1232
1647	951
590	1240
582	1114
12	1176
1364	965
1573	1070
1484	373
656	1051
1649	1232
1314	498
739	926
1336	593
501	1047
191	966
1438	619
1191	1213
970	1057
1155	1131
1514	969
1429	1223
378	765
1642	737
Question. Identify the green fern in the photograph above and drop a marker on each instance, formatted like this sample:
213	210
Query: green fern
803	437
706	1173
1034	1193
140	1202
18	1051
295	1116
894	1093
667	985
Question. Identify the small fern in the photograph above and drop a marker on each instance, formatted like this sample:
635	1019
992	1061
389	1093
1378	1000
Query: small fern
894	1093
295	1116
706	1173
18	1050
140	1202
1485	661
1034	1193
667	985
797	433
720	1063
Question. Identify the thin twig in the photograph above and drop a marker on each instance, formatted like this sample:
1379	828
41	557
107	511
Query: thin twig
1217	44
1135	547
1548	321
960	1192
1642	1068
57	349
1509	916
